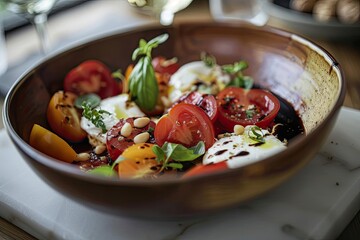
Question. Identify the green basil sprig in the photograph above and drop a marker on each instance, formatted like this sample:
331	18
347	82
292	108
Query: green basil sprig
142	81
177	153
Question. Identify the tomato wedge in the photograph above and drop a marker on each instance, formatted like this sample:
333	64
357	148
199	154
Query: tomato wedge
91	77
206	102
163	65
63	117
51	144
246	107
205	169
116	143
140	162
185	124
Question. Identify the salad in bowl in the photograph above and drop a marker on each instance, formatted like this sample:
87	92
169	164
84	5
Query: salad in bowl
161	119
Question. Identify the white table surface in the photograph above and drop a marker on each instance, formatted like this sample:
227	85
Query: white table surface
317	203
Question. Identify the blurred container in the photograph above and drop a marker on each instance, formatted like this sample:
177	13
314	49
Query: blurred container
164	10
3	58
244	10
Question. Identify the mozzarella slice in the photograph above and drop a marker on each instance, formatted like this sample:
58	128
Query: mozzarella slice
241	150
119	107
193	75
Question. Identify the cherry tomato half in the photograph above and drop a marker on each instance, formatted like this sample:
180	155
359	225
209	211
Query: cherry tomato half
185	124
205	169
63	117
51	144
91	77
116	143
206	102
163	65
246	107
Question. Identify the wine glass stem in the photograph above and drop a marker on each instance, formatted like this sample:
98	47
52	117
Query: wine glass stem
40	21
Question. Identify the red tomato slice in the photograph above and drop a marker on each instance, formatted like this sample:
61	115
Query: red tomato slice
246	107
206	102
185	124
205	169
163	65
91	77
116	143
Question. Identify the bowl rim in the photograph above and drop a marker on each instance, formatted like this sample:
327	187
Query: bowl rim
68	169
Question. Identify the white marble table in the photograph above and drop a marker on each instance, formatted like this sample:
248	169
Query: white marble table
317	203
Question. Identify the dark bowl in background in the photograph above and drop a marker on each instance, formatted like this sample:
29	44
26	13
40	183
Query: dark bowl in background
292	67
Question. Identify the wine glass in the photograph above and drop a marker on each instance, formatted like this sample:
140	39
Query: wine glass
36	12
162	9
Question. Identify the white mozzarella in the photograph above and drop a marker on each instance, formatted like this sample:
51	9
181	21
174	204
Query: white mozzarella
191	74
241	150
119	107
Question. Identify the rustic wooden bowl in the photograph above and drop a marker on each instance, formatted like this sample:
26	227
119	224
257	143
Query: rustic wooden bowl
290	66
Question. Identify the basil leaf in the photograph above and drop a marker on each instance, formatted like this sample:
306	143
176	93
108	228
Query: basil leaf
160	154
143	85
177	153
91	99
142	81
181	153
104	170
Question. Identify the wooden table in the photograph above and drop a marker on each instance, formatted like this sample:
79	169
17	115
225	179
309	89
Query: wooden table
346	53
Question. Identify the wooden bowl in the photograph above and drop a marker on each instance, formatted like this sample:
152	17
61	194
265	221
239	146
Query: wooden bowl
290	66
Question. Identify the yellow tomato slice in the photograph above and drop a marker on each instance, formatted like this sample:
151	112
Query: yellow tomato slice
64	118
49	143
140	162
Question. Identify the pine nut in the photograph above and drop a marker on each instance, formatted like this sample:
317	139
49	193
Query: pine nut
142	137
239	129
141	122
83	157
99	149
126	130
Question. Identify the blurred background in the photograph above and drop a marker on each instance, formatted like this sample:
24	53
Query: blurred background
334	24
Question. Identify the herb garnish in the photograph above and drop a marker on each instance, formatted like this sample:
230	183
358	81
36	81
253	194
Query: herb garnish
208	59
249	113
235	70
142	81
177	153
256	134
88	103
